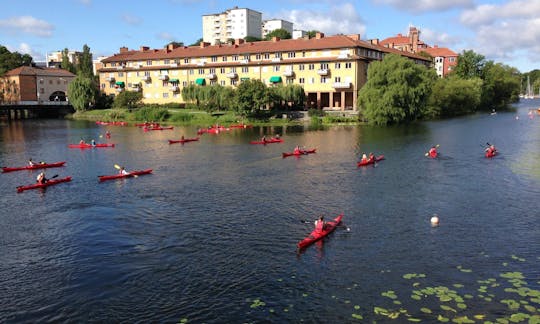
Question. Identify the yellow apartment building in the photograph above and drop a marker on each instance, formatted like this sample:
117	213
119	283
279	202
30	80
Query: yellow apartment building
330	69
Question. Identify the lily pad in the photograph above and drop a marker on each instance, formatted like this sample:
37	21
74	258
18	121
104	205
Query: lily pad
426	310
357	316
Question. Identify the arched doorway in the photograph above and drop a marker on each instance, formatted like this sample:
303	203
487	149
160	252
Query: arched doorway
58	96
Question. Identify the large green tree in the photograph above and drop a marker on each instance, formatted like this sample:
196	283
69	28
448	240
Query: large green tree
10	61
280	32
396	91
66	63
501	86
85	65
82	93
453	96
250	96
470	65
128	99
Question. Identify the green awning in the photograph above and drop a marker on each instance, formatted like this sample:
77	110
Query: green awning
120	83
200	81
173	80
275	79
244	79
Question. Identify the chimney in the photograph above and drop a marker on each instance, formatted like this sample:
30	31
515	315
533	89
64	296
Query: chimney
239	41
319	35
170	47
374	41
355	37
275	39
144	48
123	49
204	44
399	35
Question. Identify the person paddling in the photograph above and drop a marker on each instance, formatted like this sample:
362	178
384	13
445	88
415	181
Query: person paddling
491	150
297	150
123	171
41	178
364	158
319	224
30	162
433	152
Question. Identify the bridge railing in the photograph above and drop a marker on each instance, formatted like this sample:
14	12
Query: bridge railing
35	103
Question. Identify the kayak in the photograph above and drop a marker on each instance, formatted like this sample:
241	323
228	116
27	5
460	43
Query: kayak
35	166
212	130
157	128
86	145
368	162
185	140
116	123
268	141
303	152
490	154
240	126
43	185
314	236
119	176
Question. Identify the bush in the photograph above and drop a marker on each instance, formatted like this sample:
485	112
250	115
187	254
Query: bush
151	113
316	113
114	114
181	117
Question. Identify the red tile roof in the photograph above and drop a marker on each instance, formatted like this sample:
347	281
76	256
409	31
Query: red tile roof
38	71
440	51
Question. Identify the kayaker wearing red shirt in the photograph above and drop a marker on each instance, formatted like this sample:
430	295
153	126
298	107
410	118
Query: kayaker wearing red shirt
364	158
319	224
433	152
297	150
491	150
41	178
371	157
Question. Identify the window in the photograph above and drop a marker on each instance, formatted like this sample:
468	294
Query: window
50	81
291	54
184	83
186	61
289	81
266	56
224	59
201	71
191	72
165	83
337	79
233	70
323	79
258	56
275	68
233	82
222	82
245	69
40	81
235	58
324	66
246	56
147	73
165	95
348	65
277	55
222	70
311	66
166	61
301	67
120	74
213	59
149	62
337	65
213	82
213	70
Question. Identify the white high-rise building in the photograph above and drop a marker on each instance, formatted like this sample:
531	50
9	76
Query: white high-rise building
273	24
299	34
231	24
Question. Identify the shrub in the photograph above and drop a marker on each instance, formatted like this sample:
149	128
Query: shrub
316	113
152	113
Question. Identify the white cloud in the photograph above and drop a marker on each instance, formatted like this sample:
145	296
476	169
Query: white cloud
165	36
341	19
25	48
489	14
433	38
420	6
131	20
26	24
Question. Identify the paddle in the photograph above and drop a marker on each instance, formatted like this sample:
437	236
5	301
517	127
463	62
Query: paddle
119	167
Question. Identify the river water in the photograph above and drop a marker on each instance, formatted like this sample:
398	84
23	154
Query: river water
210	236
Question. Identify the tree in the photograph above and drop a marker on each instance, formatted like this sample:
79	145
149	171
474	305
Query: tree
469	65
197	42
10	61
250	96
66	64
128	99
396	91
312	33
249	39
280	32
85	65
176	44
82	92
453	96
501	86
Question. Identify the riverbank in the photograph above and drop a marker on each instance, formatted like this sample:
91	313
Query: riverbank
185	117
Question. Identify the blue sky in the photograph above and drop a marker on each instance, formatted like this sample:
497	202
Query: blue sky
505	31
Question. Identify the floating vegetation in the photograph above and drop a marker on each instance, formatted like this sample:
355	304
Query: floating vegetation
183	320
257	303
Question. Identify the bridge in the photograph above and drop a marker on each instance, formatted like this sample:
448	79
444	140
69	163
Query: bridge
35	109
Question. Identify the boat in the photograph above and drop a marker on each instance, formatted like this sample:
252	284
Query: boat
86	145
119	176
315	236
490	154
268	141
157	128
185	140
240	126
50	182
35	166
114	123
302	152
368	162
212	130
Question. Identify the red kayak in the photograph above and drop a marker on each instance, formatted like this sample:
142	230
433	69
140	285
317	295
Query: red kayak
302	152
43	185
157	128
185	140
240	126
86	145
116	123
368	162
329	227
119	176
213	130
35	166
490	154
268	141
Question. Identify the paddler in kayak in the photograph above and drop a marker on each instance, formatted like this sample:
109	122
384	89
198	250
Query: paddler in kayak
123	171
82	142
30	162
433	152
93	142
491	150
364	158
371	157
263	139
319	224
297	150
41	178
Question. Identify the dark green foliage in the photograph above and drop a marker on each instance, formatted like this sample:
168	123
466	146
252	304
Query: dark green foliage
453	96
181	117
316	113
197	42
251	39
280	32
82	93
176	44
501	86
312	33
10	61
396	91
152	114
469	65
128	99
85	66
104	101
66	64
250	97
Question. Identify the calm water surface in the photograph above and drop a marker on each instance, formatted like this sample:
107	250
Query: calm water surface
210	236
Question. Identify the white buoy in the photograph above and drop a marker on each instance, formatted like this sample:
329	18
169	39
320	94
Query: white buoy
435	220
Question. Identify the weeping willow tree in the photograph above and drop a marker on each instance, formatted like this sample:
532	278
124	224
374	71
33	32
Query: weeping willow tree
293	95
210	98
82	92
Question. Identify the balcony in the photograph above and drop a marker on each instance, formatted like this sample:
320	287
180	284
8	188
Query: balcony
341	85
173	65
322	71
202	63
163	77
232	75
211	76
288	73
245	61
110	79
276	59
145	78
120	67
135	86
343	55
174	88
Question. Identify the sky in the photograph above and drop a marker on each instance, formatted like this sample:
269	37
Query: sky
504	31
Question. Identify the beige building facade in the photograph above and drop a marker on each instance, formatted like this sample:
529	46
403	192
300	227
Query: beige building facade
330	69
